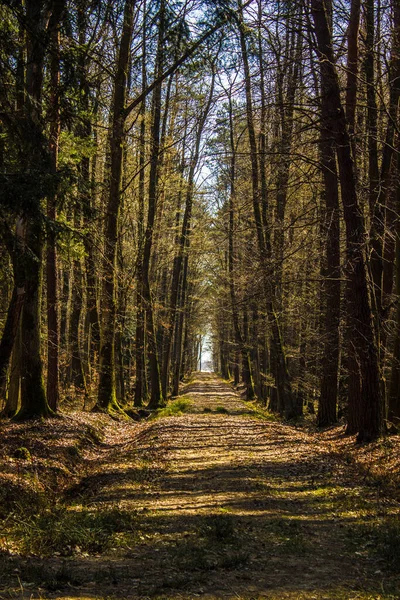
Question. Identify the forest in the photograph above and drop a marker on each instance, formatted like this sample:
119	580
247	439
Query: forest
193	181
171	171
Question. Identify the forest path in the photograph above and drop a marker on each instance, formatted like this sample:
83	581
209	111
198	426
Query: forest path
227	505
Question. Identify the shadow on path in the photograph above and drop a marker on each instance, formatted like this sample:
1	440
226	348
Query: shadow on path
225	506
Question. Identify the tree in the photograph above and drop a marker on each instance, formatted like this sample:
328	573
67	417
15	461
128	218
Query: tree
106	394
362	332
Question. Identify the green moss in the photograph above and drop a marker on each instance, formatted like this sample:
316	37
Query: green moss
256	411
23	453
173	409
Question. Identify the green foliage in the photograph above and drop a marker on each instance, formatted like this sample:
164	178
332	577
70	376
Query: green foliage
23	453
72	531
73	148
257	411
173	409
383	538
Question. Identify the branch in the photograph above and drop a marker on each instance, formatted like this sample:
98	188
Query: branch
189	52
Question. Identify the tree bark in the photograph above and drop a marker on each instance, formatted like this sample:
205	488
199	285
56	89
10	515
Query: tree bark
286	399
156	398
106	399
53	391
362	332
331	286
140	341
33	395
240	342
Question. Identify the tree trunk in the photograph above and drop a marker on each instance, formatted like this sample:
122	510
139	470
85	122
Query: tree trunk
286	399
14	388
362	332
14	245
156	398
240	342
53	368
33	395
106	399
76	371
352	71
331	286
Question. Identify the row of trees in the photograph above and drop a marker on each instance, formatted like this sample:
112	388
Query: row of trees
102	115
112	114
308	177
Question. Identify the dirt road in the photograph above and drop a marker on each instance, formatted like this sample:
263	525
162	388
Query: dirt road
228	505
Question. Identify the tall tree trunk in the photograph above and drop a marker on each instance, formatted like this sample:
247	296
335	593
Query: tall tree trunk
76	373
53	383
106	399
86	187
394	389
362	332
383	235
33	394
331	287
156	398
375	207
352	71
181	324
14	388
140	341
287	402
15	246
240	342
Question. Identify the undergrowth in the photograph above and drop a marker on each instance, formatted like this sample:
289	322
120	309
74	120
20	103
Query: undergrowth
67	531
173	409
255	410
381	538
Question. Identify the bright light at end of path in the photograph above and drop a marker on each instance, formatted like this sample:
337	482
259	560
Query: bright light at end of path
206	361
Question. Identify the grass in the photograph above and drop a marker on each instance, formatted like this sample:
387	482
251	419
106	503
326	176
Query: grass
221	410
380	539
173	409
255	410
66	532
218	528
196	555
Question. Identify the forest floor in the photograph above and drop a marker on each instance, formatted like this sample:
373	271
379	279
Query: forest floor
211	499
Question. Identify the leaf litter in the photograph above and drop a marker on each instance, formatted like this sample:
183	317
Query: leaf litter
205	503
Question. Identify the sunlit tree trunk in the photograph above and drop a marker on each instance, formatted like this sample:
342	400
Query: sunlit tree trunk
156	398
140	341
106	394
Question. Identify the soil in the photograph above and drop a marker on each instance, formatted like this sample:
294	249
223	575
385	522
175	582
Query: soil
225	504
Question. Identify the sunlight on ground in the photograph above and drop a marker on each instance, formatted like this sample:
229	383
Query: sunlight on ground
212	505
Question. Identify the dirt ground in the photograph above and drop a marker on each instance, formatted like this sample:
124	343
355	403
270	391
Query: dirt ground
216	502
